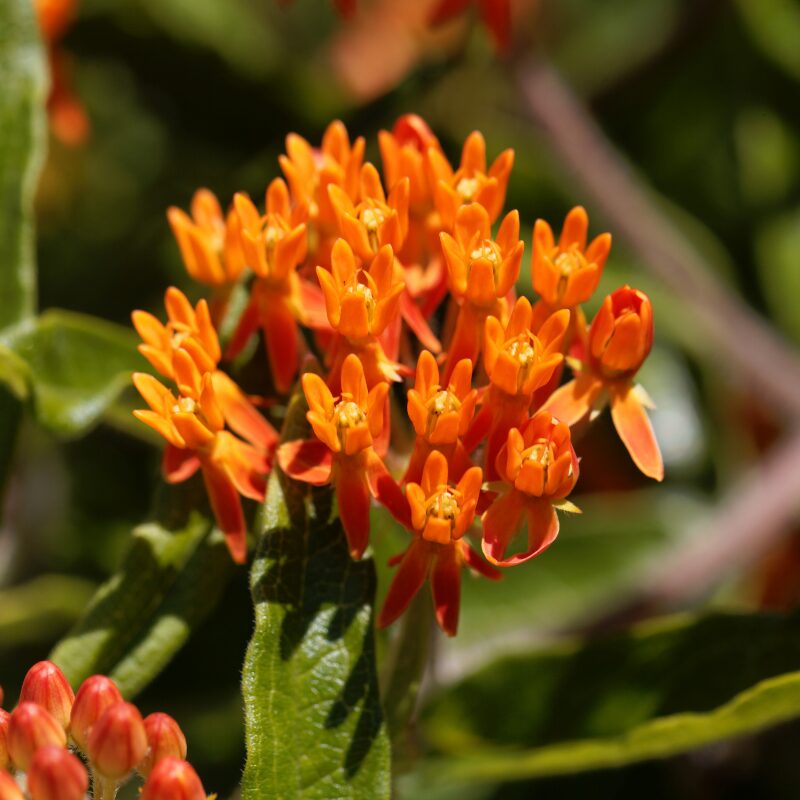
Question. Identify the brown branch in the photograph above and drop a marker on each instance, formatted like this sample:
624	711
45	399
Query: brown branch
738	335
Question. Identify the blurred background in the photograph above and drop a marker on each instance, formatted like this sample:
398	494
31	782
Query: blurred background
692	102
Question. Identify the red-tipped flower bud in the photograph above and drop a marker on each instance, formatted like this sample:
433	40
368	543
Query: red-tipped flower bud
8	788
117	741
56	774
173	779
4	717
46	685
95	695
165	738
30	727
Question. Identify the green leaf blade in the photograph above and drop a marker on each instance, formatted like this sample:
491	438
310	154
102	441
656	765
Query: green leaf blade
22	121
657	691
314	723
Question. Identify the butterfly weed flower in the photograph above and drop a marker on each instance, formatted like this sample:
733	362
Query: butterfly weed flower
471	182
538	468
619	340
441	515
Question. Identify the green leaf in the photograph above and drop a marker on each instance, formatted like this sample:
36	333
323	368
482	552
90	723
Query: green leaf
23	81
663	688
172	576
76	367
314	724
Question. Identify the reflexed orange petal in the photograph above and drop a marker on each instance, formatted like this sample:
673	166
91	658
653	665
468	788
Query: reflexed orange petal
385	489
634	428
573	401
178	464
353	498
376	407
446	586
477	564
415	320
280	335
248	325
307	460
500	524
406	583
227	509
241	415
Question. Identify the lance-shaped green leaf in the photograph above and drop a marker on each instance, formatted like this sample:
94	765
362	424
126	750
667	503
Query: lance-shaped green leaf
76	367
663	688
314	725
170	579
22	123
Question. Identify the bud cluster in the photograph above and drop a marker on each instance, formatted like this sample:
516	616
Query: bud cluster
65	742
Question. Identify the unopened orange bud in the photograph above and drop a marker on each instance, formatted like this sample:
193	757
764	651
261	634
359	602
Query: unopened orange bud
117	741
56	774
8	788
621	334
95	695
4	717
46	685
165	738
173	779
30	727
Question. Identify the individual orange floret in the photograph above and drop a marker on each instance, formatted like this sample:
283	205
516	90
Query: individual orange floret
403	154
620	338
441	515
360	304
482	271
193	423
188	328
311	170
343	453
470	183
274	245
440	414
540	468
376	220
518	361
208	241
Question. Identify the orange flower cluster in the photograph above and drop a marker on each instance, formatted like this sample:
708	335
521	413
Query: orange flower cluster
50	720
372	276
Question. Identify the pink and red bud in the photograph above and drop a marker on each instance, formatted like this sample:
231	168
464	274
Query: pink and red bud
56	774
95	695
4	718
46	685
30	727
165	738
9	790
117	741
173	779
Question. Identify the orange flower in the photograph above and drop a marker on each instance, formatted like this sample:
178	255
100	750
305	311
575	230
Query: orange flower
619	340
343	454
403	154
540	467
376	221
440	516
566	274
482	272
440	414
496	16
360	304
208	241
311	170
193	423
188	328
273	246
518	362
470	183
